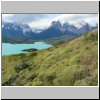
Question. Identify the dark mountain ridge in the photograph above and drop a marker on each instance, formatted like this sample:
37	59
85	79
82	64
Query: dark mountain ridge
14	32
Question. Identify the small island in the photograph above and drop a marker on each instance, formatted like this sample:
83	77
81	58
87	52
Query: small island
30	50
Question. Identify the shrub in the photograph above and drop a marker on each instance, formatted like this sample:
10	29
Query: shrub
31	77
84	82
90	80
81	73
10	81
91	36
50	78
66	77
87	48
21	66
37	83
33	54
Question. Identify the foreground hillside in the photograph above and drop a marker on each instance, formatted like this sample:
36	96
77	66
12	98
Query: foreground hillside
71	64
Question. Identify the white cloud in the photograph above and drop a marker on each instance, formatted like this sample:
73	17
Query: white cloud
43	20
92	21
70	18
40	23
7	17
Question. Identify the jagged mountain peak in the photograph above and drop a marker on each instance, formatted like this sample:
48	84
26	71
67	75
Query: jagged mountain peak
79	24
17	26
56	29
56	24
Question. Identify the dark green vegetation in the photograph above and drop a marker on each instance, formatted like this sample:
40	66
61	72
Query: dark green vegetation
30	50
74	63
16	40
60	40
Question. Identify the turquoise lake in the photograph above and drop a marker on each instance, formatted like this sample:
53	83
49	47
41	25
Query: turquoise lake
10	49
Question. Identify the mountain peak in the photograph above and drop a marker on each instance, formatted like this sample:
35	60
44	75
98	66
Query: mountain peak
79	24
17	26
56	24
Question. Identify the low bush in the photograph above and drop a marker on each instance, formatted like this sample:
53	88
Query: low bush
21	66
10	81
31	77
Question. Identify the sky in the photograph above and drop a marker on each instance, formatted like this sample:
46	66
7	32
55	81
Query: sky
44	20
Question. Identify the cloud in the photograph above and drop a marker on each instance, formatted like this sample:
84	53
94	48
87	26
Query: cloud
7	17
40	23
77	17
44	20
70	18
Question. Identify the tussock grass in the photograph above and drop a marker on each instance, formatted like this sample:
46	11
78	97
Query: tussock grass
74	63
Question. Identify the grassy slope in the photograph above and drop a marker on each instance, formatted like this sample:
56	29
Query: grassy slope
72	63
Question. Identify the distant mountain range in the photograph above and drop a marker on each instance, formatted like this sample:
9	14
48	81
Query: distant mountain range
15	32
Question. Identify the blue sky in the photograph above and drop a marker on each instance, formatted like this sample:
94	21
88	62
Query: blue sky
44	20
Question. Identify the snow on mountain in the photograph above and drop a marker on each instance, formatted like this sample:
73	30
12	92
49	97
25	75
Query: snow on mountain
56	28
76	27
25	28
76	18
79	24
57	25
36	30
17	26
2	26
68	27
39	30
11	26
64	24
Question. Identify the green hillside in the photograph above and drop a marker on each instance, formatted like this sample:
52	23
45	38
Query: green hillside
74	63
